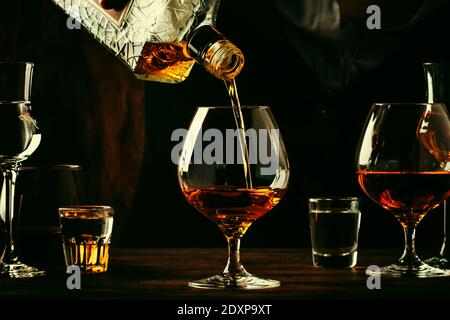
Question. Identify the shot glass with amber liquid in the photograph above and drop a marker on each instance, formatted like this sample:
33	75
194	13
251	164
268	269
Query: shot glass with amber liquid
86	233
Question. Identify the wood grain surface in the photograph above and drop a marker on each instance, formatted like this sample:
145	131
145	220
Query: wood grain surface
163	274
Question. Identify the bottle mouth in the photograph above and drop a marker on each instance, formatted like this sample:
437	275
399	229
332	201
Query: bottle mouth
224	60
219	56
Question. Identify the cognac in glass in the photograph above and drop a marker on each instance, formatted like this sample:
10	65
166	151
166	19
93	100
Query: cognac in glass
233	175
397	168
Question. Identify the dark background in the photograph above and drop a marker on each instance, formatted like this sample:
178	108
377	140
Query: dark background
93	112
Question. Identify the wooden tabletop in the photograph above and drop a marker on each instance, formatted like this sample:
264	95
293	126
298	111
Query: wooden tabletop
163	274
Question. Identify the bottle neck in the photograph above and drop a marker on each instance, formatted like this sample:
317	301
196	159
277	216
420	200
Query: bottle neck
218	55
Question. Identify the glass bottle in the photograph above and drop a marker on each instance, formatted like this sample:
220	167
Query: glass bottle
160	40
437	77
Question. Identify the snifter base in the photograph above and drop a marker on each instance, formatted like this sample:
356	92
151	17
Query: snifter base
347	260
399	270
240	282
19	270
438	262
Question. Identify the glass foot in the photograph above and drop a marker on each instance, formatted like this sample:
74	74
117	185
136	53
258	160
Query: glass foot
19	270
420	271
242	282
438	262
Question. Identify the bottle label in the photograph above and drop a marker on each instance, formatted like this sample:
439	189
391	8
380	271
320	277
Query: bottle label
116	17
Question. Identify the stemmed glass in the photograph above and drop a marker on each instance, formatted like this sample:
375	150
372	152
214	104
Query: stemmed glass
398	168
19	138
217	180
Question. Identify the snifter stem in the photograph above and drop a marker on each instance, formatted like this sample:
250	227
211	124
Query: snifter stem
234	268
409	256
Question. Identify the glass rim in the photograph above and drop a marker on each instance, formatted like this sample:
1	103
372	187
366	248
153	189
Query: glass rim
405	103
230	107
17	62
429	63
83	211
317	199
51	167
16	102
86	207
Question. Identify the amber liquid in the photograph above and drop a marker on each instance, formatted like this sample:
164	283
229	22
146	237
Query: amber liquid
409	195
240	125
164	62
86	242
90	256
233	209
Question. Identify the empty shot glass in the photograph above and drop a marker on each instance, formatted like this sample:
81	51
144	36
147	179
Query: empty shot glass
334	224
86	233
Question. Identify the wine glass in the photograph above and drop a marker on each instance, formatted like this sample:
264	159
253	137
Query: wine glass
397	168
19	138
233	175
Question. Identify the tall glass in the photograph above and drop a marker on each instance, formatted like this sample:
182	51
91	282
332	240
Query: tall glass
19	138
398	168
40	191
233	177
437	76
